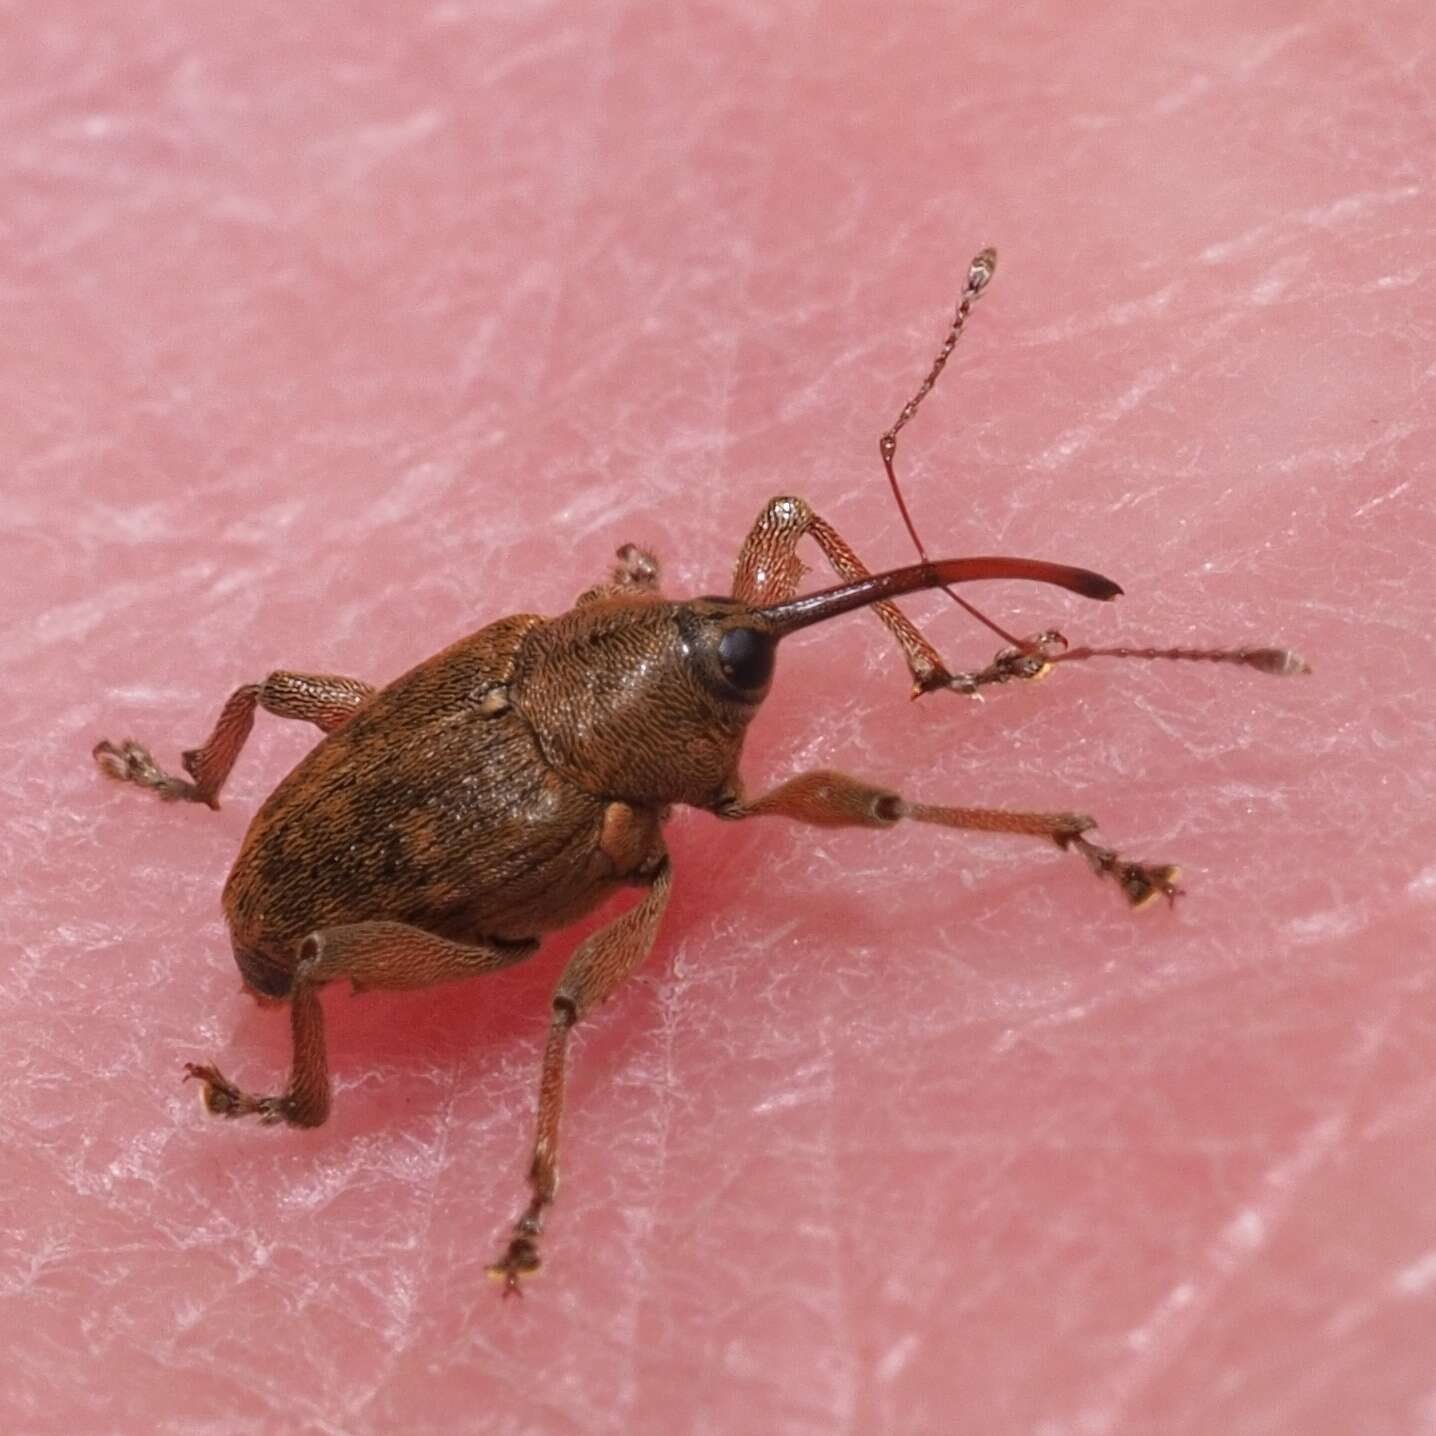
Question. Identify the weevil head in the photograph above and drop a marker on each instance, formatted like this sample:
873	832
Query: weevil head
731	648
647	699
644	699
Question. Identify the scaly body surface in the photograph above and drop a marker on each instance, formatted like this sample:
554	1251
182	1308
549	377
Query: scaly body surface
436	805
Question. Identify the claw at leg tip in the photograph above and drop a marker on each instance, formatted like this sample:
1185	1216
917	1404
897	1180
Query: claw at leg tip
509	1280
1145	885
519	1261
510	1277
213	1094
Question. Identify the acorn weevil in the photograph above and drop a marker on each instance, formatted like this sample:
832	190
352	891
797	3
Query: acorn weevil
512	783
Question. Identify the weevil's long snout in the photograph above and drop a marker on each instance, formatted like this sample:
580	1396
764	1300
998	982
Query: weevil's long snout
781	619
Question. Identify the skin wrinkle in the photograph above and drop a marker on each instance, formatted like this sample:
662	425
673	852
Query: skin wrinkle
1234	1249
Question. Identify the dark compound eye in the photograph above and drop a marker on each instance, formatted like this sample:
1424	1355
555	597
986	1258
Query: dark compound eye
746	658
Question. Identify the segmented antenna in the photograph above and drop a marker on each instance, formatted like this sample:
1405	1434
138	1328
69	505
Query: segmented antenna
979	275
1279	662
1030	657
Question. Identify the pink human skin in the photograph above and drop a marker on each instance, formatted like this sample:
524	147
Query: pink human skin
331	335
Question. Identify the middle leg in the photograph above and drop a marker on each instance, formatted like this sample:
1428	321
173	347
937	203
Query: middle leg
594	973
834	800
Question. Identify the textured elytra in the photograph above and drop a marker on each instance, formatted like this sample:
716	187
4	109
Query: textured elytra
424	807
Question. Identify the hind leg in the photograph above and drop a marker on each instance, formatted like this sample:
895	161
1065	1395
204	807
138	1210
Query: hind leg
323	699
387	955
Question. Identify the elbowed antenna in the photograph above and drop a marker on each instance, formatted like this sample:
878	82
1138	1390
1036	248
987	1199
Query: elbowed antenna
783	618
979	276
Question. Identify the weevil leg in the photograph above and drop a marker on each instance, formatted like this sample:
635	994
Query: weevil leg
594	973
834	800
323	699
635	573
768	571
372	955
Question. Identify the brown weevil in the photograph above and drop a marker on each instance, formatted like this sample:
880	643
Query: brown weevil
509	785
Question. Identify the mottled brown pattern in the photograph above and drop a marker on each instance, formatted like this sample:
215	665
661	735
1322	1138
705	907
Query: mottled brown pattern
423	809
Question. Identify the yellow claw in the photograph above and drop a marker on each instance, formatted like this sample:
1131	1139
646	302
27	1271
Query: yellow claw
1144	885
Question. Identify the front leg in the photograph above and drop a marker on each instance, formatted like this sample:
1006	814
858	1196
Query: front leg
769	570
834	800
